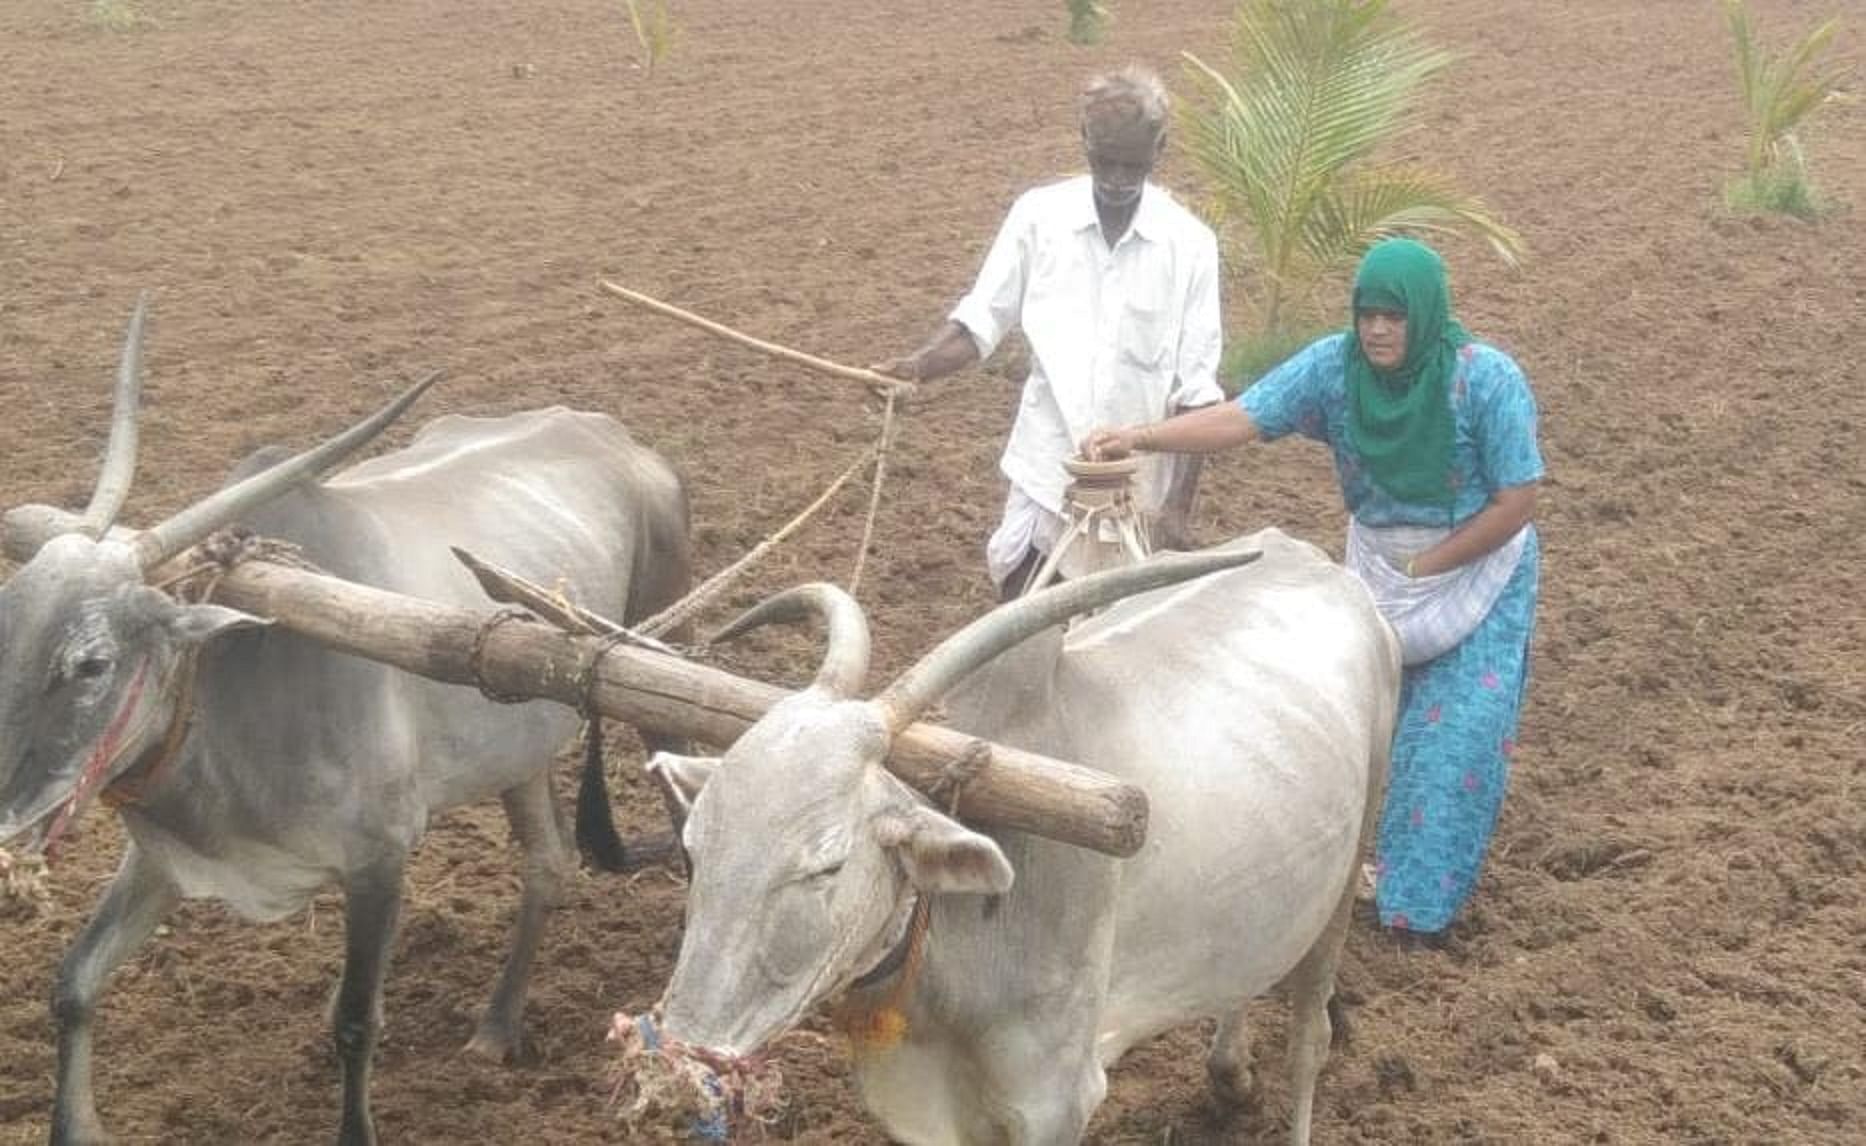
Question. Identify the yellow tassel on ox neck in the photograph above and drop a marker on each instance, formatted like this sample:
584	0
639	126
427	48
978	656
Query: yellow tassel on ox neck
879	1027
873	1031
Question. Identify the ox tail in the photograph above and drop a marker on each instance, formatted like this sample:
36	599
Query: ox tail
660	575
597	837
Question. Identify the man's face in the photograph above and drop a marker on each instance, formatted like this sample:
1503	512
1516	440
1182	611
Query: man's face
1120	159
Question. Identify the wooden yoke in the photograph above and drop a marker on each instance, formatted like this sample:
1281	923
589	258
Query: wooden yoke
1014	790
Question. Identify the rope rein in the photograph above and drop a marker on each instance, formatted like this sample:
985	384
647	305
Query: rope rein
874	493
715	586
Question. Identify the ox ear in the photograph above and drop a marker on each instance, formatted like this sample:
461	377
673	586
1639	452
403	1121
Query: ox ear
189	624
682	777
941	855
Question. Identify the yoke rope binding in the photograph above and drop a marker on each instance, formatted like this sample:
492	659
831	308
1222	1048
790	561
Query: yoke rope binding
476	660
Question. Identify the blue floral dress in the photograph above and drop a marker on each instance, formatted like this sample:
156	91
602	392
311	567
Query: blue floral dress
1458	712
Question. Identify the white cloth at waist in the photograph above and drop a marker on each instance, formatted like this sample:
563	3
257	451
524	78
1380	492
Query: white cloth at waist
1431	615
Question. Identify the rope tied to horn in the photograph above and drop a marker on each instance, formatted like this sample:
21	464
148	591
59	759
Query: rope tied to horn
959	772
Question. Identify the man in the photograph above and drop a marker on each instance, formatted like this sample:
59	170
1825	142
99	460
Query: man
1116	288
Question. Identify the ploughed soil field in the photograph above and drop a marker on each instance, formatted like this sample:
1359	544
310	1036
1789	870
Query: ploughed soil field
1669	944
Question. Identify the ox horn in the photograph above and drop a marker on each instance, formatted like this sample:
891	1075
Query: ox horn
113	479
845	661
154	546
954	658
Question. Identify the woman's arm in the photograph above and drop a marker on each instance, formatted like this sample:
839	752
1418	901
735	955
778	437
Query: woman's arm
1205	430
1509	510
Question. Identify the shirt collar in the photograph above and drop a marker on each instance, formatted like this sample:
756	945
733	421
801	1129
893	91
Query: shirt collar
1148	221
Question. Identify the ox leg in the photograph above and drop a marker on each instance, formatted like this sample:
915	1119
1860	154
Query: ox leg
134	903
371	904
1231	1065
549	864
1310	988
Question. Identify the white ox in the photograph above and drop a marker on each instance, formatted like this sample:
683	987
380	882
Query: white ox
264	767
1255	708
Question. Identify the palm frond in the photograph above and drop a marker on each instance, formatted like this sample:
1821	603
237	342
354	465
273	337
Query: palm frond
1287	132
1778	92
1376	203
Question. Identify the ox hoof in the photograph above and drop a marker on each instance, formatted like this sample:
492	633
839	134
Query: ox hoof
89	1136
496	1045
1234	1085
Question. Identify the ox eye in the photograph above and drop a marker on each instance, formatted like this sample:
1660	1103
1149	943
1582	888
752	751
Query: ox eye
90	668
797	930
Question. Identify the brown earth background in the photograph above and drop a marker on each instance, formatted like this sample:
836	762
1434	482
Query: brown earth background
329	198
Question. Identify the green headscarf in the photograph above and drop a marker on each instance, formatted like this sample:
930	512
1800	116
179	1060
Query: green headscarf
1399	420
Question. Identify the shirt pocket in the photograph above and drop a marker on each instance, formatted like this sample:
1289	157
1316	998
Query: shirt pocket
1145	336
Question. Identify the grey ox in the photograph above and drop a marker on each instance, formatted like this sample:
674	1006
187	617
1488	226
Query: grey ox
302	767
1254	707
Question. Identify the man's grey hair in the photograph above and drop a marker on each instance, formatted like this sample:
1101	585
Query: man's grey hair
1131	97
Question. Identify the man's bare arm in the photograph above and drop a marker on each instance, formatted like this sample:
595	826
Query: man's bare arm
950	350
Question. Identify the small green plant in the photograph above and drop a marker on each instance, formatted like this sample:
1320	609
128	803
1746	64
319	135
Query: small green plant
1088	20
655	30
116	15
1779	94
1287	133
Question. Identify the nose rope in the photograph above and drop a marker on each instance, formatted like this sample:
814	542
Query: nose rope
103	754
219	553
142	777
664	1086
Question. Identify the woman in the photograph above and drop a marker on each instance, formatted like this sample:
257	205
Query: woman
1434	439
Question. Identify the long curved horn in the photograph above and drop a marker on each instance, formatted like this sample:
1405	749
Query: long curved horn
845	661
154	546
113	479
954	658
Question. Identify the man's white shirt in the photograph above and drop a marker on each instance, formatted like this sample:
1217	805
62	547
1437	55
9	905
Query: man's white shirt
1117	336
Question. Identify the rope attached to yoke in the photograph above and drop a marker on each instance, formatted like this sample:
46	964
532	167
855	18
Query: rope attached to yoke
888	387
715	586
874	494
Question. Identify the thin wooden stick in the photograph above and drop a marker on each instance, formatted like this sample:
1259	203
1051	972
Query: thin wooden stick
872	378
508	588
